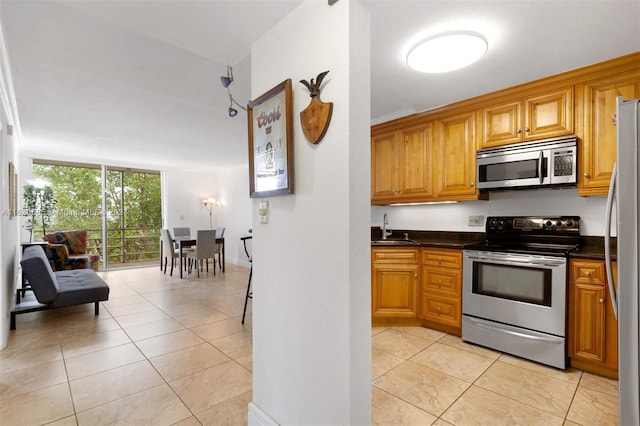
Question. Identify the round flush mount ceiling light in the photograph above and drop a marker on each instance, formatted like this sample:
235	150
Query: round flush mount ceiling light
447	52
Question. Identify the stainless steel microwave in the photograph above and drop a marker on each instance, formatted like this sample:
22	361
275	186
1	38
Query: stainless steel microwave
548	162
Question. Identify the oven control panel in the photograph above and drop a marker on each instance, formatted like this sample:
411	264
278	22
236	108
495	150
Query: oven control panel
532	224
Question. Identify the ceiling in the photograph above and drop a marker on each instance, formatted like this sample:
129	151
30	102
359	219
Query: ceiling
137	81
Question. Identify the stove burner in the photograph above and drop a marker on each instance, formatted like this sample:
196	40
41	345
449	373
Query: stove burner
536	235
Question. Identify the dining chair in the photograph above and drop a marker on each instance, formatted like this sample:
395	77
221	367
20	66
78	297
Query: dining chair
219	234
205	249
182	231
168	249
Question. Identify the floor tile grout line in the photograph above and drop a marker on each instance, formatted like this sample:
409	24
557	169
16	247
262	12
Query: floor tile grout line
404	400
564	418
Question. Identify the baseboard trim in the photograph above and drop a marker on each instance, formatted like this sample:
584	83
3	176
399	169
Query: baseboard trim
257	417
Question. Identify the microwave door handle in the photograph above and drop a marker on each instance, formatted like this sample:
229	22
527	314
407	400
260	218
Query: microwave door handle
540	169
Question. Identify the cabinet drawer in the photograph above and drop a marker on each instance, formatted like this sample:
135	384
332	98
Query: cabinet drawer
585	272
404	256
442	257
446	282
441	309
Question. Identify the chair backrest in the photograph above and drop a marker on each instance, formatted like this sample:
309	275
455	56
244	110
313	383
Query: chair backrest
42	279
206	244
184	231
75	240
220	232
167	243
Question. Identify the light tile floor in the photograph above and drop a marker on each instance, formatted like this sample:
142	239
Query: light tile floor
171	351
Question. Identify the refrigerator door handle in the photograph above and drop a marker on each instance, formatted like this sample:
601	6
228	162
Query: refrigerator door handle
607	241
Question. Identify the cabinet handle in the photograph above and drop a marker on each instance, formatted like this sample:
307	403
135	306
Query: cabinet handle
472	184
526	129
439	308
439	259
587	273
518	131
440	281
601	301
415	275
586	174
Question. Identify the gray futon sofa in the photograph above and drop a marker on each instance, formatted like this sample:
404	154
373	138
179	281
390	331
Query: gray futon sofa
57	289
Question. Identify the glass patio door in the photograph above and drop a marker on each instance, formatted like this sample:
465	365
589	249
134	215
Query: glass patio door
119	207
133	217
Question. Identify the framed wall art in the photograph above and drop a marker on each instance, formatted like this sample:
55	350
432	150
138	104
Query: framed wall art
271	142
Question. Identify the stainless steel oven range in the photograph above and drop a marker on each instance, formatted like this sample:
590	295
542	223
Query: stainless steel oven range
514	287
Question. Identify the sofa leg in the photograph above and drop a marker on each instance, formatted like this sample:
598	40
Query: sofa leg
13	321
97	309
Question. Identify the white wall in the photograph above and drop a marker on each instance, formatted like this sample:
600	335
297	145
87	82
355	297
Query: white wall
9	241
9	228
312	297
532	202
184	191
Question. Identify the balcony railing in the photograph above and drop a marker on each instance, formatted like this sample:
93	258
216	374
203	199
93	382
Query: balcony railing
126	247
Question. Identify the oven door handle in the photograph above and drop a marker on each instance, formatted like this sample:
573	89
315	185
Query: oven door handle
515	333
517	261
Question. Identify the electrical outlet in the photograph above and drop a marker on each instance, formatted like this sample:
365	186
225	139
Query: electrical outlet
475	220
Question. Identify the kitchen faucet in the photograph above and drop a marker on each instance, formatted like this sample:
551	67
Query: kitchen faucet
385	232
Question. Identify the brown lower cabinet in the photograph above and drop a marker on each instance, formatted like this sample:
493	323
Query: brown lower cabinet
417	287
441	290
394	283
593	328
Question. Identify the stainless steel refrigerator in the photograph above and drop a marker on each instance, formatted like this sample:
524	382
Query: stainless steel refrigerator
625	193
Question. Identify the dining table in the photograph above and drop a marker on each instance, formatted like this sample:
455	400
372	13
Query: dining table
185	241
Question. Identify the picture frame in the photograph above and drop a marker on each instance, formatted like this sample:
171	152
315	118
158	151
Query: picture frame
270	121
13	191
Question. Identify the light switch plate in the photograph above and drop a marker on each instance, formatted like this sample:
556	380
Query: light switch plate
475	221
263	211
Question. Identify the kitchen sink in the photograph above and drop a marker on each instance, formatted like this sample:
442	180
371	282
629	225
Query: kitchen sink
392	242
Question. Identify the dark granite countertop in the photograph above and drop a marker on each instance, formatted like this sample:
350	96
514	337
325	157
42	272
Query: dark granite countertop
593	248
441	239
590	247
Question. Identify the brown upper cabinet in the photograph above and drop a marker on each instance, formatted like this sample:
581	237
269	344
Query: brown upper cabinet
534	117
596	102
455	165
431	156
401	165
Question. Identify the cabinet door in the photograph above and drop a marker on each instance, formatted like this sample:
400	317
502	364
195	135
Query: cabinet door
593	328
442	310
549	115
501	124
597	102
588	323
415	172
456	156
445	258
444	281
394	291
384	164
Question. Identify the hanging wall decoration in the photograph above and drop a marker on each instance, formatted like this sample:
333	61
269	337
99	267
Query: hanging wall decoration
271	142
316	117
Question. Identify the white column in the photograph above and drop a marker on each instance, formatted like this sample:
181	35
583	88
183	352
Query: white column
312	297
